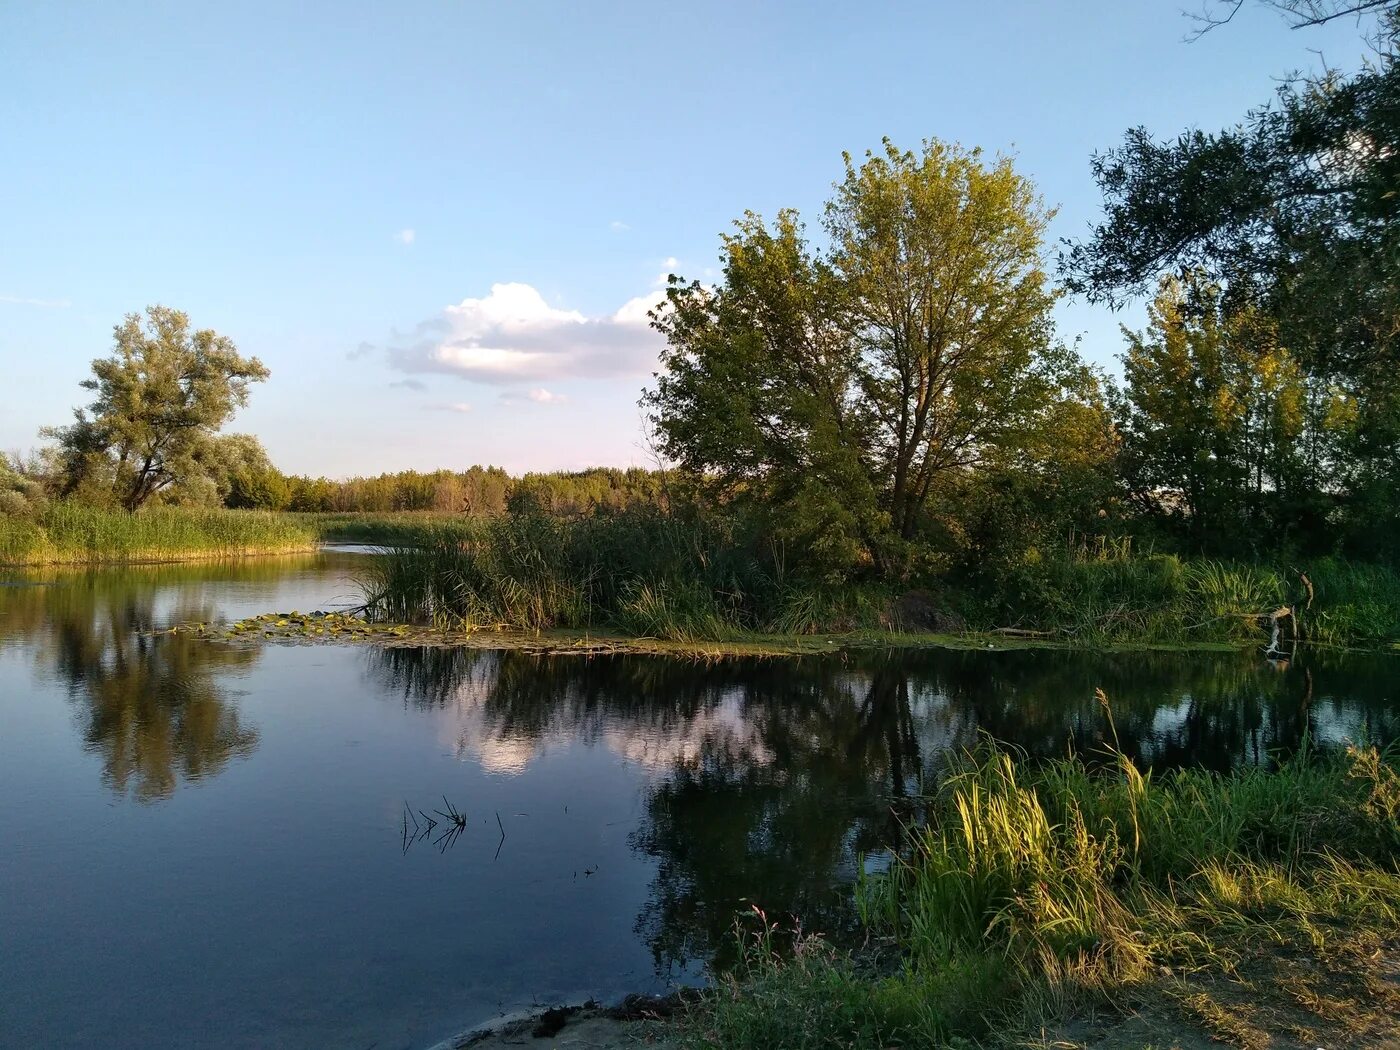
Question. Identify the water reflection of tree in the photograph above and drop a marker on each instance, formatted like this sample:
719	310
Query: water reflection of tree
770	777
1212	710
149	704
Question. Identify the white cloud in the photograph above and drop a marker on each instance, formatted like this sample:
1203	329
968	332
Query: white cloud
20	300
513	335
618	226
455	406
405	236
539	395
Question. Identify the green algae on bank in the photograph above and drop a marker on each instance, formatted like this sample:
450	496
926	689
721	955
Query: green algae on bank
346	627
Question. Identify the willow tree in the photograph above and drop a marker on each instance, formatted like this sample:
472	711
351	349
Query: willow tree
161	398
847	382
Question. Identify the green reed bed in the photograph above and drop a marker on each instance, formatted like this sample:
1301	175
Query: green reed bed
1032	893
396	529
698	578
66	533
1166	598
639	573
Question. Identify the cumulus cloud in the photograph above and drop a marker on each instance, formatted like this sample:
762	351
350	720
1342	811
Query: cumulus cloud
405	236
512	336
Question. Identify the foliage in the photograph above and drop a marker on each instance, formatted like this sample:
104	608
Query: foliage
1225	438
244	476
1029	892
1294	209
696	575
21	494
161	397
846	387
479	491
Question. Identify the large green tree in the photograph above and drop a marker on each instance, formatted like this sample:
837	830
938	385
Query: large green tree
1295	210
161	398
845	383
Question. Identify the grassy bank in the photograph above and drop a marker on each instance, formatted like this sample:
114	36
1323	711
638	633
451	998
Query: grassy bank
1257	906
407	528
65	533
646	575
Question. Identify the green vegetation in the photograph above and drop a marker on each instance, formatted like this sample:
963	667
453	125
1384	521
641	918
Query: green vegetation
161	398
697	579
66	532
1032	893
1286	232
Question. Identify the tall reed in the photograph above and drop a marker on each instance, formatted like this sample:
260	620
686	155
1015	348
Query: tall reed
67	533
1030	891
636	571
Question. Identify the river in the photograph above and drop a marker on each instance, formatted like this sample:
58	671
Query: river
208	844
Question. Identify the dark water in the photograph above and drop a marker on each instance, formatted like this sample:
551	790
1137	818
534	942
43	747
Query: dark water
203	845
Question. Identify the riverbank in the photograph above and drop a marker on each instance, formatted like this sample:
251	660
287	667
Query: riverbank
1058	906
68	534
634	576
694	581
294	627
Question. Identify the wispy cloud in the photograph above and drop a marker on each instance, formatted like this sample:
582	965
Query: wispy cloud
539	395
405	236
363	350
48	304
512	335
410	384
618	226
455	406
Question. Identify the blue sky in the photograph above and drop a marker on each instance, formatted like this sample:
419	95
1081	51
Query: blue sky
343	188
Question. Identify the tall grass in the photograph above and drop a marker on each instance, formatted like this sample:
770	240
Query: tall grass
1031	891
66	533
650	574
637	571
407	528
1162	597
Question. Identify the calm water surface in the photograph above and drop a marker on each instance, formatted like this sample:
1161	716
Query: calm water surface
204	844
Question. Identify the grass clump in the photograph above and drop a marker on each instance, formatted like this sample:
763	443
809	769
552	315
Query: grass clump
1118	595
69	533
638	572
1033	892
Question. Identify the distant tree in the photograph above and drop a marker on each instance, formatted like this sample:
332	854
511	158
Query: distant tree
161	398
1223	432
245	475
21	491
847	384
